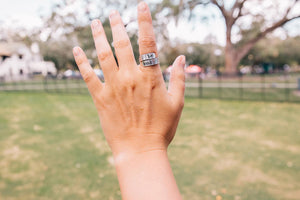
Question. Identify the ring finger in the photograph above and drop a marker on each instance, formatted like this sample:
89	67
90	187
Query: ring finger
147	44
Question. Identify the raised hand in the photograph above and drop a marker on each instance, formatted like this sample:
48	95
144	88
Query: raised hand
138	115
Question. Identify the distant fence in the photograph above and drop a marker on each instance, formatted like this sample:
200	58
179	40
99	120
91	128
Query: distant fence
265	87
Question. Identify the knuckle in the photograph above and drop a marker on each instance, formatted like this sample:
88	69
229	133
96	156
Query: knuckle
145	18
99	101
180	76
79	60
115	21
97	32
103	55
177	104
182	88
122	43
148	42
127	81
87	76
148	80
177	77
181	104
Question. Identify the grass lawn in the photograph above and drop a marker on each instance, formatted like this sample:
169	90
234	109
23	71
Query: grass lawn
51	147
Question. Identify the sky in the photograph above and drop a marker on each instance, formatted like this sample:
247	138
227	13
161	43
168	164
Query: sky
23	12
26	13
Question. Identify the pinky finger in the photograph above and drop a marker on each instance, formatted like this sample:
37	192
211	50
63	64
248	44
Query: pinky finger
91	79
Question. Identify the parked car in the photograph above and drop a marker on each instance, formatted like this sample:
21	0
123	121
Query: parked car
70	74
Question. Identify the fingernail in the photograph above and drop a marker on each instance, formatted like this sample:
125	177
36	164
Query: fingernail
113	14
76	51
95	25
142	6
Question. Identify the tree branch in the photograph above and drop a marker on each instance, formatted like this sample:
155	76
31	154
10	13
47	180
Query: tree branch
245	48
228	20
242	51
193	4
238	5
290	8
272	28
221	8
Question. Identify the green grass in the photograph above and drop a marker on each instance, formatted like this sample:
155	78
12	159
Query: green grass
52	147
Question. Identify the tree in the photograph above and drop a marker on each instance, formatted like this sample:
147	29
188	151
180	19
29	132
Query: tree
276	51
235	52
237	14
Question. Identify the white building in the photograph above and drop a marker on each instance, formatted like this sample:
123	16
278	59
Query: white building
18	62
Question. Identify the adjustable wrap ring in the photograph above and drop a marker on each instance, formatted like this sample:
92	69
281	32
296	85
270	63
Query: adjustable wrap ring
148	56
150	62
149	59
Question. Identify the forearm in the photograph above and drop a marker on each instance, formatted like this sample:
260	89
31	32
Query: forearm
146	175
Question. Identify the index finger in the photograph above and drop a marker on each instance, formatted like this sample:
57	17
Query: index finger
91	79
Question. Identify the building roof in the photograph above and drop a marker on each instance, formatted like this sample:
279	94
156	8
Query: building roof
9	48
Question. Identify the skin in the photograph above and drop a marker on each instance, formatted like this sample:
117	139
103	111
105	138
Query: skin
138	115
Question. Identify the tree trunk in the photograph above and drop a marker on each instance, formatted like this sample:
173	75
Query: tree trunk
231	60
233	57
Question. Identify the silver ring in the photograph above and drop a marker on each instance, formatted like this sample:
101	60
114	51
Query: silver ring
148	56
150	62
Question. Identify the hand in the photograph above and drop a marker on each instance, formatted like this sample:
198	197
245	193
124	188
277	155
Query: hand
136	111
138	115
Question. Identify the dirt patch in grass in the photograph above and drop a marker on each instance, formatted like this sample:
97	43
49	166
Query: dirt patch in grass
17	115
226	163
20	165
70	189
250	174
271	144
286	194
87	129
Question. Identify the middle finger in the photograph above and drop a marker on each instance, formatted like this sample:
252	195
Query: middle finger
121	43
104	52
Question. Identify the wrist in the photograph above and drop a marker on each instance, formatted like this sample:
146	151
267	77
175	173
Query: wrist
127	157
139	144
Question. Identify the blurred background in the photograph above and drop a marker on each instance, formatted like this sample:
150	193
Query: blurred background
247	51
234	49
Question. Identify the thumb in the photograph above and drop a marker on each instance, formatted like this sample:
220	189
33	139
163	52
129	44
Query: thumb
177	78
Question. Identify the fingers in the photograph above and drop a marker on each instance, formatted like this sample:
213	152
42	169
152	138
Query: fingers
177	78
121	40
92	81
147	42
104	52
